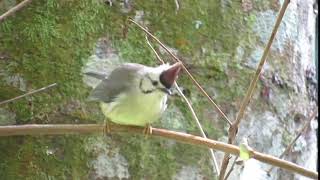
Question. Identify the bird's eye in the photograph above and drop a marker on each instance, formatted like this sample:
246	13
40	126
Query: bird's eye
154	83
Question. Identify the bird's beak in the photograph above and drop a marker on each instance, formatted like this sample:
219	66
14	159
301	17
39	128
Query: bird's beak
168	77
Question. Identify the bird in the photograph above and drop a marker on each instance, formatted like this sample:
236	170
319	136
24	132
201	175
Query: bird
135	94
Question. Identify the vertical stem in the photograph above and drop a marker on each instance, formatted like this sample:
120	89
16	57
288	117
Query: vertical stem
234	127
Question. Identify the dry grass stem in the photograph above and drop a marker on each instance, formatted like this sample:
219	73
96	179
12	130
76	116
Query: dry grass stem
177	6
231	168
154	51
195	117
14	9
234	127
303	129
186	70
28	94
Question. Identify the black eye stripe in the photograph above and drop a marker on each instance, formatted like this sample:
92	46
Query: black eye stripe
155	83
152	90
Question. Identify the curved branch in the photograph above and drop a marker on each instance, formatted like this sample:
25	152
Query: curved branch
61	129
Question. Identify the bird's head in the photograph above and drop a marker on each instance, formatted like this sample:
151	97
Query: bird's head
160	78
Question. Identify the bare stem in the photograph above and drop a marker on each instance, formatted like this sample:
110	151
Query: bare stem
154	51
186	70
62	129
234	127
255	79
305	126
14	9
195	117
177	6
28	94
231	168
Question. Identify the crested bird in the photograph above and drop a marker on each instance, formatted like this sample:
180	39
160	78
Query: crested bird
135	94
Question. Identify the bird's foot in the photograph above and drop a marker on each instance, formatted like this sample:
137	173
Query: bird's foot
147	130
83	112
106	127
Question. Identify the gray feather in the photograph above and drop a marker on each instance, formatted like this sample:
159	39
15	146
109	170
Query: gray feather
96	75
119	81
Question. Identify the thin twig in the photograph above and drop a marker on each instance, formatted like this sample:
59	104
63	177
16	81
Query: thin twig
63	129
289	147
154	51
186	70
14	9
195	117
234	127
28	94
255	79
177	6
231	168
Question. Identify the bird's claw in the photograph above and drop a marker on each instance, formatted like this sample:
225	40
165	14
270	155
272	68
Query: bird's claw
106	127
147	130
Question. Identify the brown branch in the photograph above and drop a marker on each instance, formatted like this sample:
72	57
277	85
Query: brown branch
14	9
62	129
28	94
289	147
231	168
234	127
154	51
253	83
195	117
186	70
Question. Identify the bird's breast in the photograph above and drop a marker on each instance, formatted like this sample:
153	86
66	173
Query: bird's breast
136	108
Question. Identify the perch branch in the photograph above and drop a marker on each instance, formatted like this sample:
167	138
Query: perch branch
29	93
184	67
62	129
305	126
195	117
234	127
14	9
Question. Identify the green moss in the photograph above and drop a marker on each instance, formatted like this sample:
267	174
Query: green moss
42	158
49	41
266	5
135	49
217	35
7	92
286	138
159	158
53	43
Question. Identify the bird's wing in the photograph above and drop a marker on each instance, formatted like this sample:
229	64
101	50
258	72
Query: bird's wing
120	80
96	75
